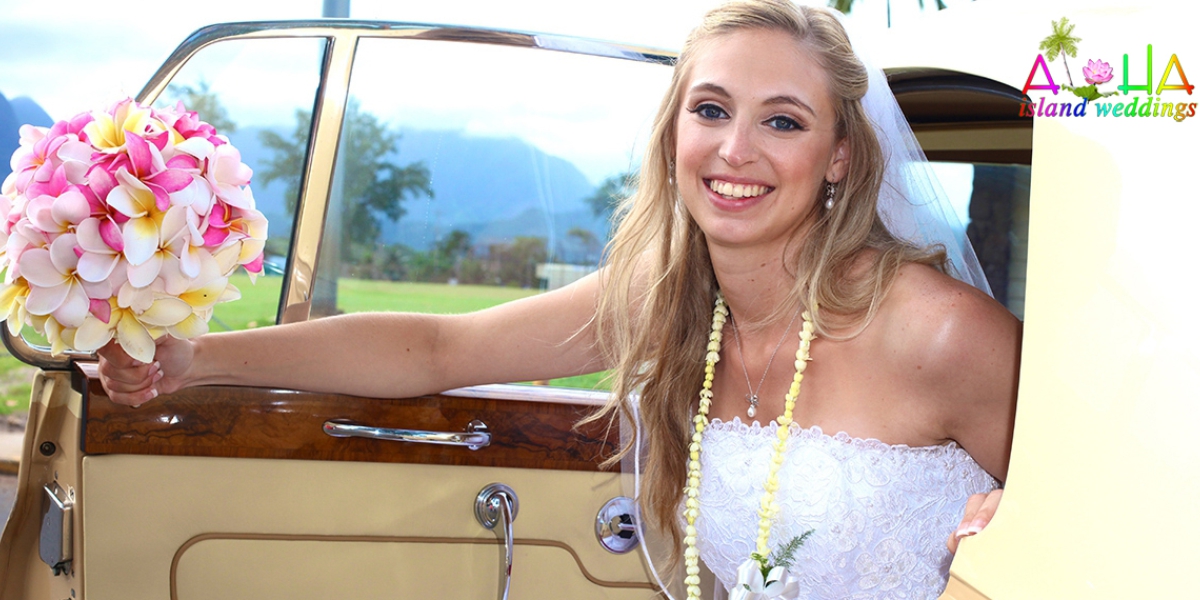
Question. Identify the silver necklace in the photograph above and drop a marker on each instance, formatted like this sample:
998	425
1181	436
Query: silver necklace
752	397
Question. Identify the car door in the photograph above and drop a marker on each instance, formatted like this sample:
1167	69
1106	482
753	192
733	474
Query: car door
402	167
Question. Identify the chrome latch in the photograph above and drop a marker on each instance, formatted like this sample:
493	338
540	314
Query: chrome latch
616	529
55	542
496	508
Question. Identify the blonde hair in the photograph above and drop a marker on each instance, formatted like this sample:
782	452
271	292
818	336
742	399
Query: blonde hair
659	287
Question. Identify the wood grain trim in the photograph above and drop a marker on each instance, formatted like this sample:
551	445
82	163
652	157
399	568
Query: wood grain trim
393	539
243	422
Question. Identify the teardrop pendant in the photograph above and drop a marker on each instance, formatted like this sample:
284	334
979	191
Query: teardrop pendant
753	408
750	412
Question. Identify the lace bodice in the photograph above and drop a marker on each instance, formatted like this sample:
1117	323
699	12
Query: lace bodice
881	514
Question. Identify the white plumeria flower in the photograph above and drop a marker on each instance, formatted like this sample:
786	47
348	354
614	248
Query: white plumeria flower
133	329
135	200
54	286
174	235
12	305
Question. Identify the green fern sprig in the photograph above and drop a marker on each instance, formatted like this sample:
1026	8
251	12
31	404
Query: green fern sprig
784	556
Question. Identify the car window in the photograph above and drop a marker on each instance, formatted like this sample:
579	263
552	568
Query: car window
252	91
470	174
992	201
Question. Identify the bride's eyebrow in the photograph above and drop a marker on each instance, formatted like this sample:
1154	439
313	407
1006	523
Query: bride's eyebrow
715	89
711	88
792	100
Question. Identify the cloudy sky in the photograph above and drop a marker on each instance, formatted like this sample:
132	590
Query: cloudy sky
82	54
86	55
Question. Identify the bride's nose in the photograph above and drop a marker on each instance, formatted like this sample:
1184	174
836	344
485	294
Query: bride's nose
739	145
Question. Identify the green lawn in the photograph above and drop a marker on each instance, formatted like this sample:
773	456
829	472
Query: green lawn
16	379
260	302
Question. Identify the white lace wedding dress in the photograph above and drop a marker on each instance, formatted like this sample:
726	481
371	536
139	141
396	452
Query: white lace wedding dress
881	514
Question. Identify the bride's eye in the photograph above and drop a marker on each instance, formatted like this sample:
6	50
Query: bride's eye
708	111
783	123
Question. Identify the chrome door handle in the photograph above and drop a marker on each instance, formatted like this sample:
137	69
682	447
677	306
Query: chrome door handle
475	437
495	504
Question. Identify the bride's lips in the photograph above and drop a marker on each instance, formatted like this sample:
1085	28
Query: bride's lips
731	194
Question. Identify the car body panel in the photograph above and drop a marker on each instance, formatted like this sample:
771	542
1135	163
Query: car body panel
1105	465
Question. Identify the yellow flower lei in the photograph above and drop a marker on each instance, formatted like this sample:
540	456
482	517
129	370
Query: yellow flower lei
768	507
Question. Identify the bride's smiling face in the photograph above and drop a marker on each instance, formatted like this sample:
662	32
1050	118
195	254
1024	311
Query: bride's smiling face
756	137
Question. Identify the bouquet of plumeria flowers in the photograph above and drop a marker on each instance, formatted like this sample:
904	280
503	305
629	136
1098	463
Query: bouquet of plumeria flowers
124	223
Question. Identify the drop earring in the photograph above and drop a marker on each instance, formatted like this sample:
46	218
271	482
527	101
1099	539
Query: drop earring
830	190
671	173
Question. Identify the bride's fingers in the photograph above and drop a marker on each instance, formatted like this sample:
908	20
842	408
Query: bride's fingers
126	380
978	513
129	395
113	353
122	375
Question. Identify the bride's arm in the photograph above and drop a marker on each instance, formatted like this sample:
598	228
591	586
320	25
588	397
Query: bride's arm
377	354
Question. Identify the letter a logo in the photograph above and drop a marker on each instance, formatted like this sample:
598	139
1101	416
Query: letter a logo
1030	85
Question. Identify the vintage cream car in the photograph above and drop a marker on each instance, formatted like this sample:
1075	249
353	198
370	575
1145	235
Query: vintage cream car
251	493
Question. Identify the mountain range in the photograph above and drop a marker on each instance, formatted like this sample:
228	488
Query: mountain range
492	188
13	114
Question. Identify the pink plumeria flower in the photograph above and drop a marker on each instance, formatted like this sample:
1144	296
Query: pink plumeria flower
55	289
6	203
146	162
33	160
246	227
107	129
19	240
101	244
58	215
228	175
188	124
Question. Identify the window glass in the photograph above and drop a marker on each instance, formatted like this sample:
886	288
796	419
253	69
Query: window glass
992	201
258	93
469	175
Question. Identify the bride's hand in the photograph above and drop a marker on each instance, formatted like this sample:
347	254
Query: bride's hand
978	513
132	382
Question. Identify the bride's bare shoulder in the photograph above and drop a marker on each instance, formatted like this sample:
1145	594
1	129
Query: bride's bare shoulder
945	328
958	350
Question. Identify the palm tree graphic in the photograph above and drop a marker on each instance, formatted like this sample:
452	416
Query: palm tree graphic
1061	41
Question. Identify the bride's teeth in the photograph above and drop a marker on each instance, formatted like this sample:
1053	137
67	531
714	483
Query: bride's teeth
737	190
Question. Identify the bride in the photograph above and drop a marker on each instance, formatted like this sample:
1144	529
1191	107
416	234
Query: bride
753	299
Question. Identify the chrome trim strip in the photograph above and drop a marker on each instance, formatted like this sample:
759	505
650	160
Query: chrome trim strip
39	356
315	187
532	393
475	437
399	29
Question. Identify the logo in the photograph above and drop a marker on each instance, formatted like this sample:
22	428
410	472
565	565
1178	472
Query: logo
1162	100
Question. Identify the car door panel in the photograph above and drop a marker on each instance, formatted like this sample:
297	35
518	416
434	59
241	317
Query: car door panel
239	493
